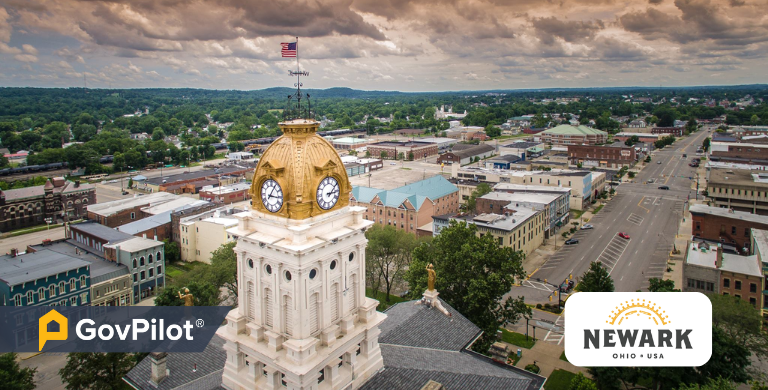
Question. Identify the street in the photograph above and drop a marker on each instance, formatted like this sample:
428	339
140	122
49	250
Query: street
649	215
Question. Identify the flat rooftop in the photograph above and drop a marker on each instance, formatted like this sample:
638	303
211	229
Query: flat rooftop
109	208
136	244
101	270
702	254
496	221
176	204
738	177
32	266
727	213
404	143
196	175
530	188
145	224
745	265
103	232
522	197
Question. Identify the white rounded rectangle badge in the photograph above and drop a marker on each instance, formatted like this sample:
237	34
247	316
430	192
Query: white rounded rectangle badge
630	329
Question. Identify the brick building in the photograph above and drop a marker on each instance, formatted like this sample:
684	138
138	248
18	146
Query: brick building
602	156
725	225
745	153
124	211
409	207
676	131
177	215
226	194
155	227
190	181
708	269
573	135
464	154
58	199
392	149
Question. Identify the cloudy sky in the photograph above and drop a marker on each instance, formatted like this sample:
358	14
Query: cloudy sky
424	45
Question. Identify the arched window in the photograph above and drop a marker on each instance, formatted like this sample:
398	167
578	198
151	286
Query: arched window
159	256
85	201
62	288
51	291
40	294
141	261
30	298
134	263
73	284
150	259
82	281
17	300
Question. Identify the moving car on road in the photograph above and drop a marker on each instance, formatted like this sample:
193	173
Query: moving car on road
587	226
624	235
663	187
571	241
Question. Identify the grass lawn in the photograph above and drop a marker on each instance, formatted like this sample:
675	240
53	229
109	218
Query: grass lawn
179	268
514	358
559	380
598	208
576	214
563	358
380	297
517	339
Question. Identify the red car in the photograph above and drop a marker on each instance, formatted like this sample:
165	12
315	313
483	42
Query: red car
624	235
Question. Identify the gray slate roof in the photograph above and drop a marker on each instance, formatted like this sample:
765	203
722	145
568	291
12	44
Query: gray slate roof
210	365
103	232
420	326
32	266
407	368
101	270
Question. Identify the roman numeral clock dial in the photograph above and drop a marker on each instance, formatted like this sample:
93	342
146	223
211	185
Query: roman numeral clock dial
272	195
327	193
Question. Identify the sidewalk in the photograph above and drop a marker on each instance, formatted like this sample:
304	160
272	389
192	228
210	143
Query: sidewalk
683	235
547	357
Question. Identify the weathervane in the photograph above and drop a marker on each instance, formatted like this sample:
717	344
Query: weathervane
295	111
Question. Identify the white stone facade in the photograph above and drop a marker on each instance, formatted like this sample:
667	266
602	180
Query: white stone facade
303	320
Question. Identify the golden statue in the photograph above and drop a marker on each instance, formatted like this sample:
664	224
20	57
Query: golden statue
431	274
189	299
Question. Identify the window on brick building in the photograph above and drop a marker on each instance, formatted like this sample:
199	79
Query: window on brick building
752	287
727	283
737	285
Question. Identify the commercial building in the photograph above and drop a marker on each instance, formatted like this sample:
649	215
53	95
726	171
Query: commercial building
239	156
642	137
520	229
181	213
738	189
443	143
524	149
465	154
44	278
123	211
507	161
408	207
155	227
725	226
191	182
743	153
408	149
57	200
676	131
144	258
610	156
584	185
573	135
232	193
708	269
348	143
109	282
554	205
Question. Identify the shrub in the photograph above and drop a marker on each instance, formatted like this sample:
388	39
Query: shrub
532	368
538	305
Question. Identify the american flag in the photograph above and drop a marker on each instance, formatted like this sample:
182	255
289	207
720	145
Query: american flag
289	49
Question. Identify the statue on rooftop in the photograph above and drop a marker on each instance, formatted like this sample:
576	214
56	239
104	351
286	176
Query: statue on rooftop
432	276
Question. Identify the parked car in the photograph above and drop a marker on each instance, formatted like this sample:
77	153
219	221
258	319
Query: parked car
587	226
663	187
624	235
658	162
685	155
571	241
125	192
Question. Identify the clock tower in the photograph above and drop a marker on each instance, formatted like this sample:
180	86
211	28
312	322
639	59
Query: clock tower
303	320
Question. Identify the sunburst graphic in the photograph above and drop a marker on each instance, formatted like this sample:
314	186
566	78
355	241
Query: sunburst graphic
639	308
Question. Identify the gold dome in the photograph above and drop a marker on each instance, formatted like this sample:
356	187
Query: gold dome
299	161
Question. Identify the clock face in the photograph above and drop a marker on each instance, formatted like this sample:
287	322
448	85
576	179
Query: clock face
271	195
327	193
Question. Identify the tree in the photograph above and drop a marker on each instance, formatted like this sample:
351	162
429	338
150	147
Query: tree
659	285
712	384
632	140
492	131
4	163
473	275
481	190
706	143
97	371
383	155
223	270
388	255
13	376
172	252
580	382
596	279
691	126
205	294
740	322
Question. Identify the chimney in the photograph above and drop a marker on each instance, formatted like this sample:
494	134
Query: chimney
719	263
14	252
158	370
77	183
432	385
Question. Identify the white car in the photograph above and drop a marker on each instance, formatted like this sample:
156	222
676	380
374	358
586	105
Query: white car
392	163
587	226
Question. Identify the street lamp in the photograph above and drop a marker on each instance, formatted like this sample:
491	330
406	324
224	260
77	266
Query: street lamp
48	222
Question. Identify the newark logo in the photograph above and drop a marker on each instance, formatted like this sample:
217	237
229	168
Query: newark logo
638	329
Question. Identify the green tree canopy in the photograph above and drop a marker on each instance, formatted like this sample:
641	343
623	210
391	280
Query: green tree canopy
473	275
96	371
596	279
13	376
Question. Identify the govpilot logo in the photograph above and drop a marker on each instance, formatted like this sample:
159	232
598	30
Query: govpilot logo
45	335
638	329
87	330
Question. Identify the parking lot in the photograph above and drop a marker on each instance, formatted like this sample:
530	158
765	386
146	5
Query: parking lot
613	251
